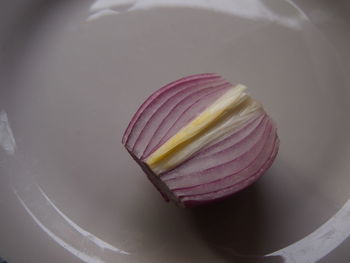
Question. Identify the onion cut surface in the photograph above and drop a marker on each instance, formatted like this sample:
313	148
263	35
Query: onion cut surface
201	139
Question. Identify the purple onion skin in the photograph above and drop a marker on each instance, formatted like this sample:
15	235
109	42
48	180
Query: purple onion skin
169	109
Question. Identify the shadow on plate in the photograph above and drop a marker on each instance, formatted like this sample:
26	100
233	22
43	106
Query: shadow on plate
233	228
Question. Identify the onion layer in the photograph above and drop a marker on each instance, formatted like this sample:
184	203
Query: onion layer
199	139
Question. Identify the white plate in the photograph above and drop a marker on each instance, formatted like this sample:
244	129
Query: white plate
73	74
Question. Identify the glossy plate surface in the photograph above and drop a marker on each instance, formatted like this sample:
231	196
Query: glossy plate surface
74	72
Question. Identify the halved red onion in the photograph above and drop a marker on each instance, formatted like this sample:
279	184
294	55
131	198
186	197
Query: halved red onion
199	139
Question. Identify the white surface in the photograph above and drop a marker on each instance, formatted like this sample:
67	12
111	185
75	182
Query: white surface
71	81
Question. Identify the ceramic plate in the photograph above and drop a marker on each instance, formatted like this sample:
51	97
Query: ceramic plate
74	72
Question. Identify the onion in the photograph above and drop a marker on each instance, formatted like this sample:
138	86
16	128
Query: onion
199	139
